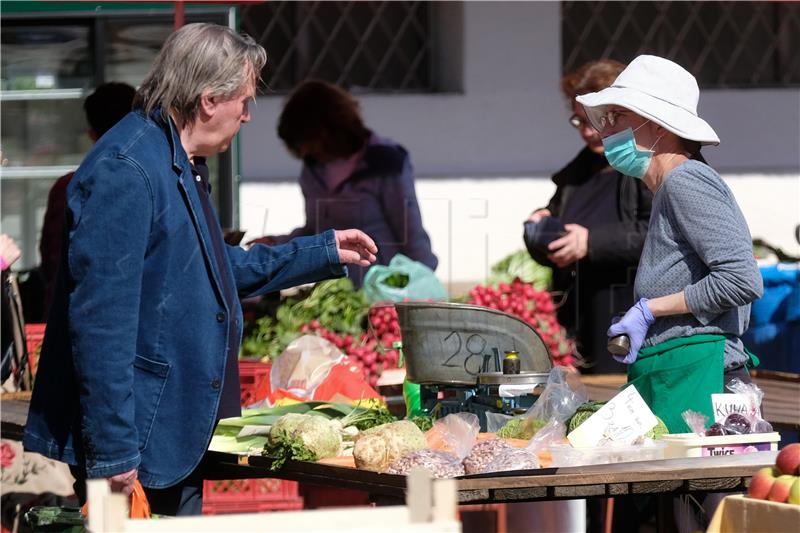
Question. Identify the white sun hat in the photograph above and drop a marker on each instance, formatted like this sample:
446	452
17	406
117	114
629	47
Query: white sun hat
657	89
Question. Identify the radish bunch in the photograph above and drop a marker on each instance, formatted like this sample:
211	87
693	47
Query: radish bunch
534	307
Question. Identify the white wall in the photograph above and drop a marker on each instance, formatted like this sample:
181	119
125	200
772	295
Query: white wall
507	130
474	222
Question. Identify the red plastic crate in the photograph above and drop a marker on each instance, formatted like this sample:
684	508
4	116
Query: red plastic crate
319	496
250	507
250	495
253	381
34	335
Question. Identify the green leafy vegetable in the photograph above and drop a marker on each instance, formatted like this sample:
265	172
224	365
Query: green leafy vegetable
364	419
520	265
397	280
287	447
424	423
521	428
658	431
584	411
335	304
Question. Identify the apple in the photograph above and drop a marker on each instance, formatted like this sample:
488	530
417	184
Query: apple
762	482
781	488
794	493
788	461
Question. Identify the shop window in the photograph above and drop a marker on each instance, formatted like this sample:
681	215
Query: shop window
724	44
366	46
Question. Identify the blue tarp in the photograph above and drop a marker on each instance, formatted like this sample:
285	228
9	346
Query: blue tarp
774	333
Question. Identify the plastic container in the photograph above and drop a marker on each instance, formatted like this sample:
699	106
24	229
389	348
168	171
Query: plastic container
692	445
250	496
567	455
253	381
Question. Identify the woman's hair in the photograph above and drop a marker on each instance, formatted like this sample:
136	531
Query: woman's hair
320	111
693	149
590	78
197	58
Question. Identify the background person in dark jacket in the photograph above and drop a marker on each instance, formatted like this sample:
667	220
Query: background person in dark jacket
104	107
606	216
351	177
139	359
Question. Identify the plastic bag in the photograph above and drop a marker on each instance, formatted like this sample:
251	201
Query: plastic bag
304	365
553	432
456	433
561	397
484	453
139	506
495	421
512	459
755	395
439	463
402	279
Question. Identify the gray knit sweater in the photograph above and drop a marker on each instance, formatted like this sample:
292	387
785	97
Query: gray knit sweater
698	242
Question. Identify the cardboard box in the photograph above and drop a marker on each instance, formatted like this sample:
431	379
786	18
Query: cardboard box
741	514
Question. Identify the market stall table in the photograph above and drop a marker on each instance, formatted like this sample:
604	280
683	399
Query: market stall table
668	476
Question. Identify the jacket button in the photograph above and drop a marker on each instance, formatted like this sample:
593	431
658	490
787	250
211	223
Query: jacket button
215	383
220	317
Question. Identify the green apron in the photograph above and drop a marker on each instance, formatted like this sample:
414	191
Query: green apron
681	374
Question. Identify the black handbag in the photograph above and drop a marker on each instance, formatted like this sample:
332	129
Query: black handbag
539	234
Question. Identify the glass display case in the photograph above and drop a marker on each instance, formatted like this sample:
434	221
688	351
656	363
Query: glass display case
51	60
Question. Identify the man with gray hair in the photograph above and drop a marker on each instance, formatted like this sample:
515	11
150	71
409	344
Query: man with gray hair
139	360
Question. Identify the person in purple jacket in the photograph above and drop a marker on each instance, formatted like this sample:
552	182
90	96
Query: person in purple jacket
351	177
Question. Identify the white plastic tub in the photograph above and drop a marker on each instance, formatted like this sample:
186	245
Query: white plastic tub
692	445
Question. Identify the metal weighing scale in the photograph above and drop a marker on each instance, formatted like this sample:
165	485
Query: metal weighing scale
455	353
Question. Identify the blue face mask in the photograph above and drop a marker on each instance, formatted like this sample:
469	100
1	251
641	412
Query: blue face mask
622	154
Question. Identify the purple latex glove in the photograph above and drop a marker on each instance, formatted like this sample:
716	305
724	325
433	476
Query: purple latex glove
634	324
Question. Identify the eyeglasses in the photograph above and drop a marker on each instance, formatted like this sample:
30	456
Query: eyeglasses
577	122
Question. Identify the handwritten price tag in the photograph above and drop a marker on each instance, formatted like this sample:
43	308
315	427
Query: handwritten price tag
622	420
725	404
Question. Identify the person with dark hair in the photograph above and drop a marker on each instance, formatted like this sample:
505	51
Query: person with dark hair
104	107
140	355
605	216
351	177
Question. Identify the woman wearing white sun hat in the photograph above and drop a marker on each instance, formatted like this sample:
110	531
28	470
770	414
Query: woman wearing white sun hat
697	275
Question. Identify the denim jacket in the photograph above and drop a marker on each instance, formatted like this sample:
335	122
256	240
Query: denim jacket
134	353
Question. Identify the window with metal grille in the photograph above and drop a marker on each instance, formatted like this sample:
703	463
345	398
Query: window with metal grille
365	46
724	44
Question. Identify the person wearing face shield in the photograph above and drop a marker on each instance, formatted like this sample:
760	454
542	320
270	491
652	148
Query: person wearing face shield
605	215
697	275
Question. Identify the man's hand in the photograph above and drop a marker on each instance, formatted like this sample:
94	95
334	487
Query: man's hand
539	214
634	324
355	247
570	248
124	482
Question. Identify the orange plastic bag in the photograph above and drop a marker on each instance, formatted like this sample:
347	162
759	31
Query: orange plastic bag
139	506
